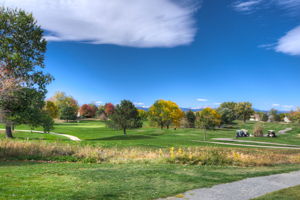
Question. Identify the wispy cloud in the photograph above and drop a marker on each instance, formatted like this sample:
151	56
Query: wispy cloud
246	5
139	104
98	102
275	105
136	23
290	43
251	5
202	100
283	107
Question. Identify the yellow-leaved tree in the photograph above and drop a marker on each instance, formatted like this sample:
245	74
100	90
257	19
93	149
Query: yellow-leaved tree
165	113
207	119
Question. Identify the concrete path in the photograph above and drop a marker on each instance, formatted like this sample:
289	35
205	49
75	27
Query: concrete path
71	137
250	141
284	131
252	145
243	190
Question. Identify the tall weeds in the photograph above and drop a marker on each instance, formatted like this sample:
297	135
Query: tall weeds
42	151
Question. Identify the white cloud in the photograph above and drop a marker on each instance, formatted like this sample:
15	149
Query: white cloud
283	107
290	4
136	23
217	104
98	102
139	104
288	106
290	43
246	5
202	100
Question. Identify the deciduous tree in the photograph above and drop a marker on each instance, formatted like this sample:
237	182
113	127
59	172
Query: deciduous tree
125	116
228	113
191	118
51	109
244	111
67	106
88	111
165	113
22	49
109	109
207	119
295	116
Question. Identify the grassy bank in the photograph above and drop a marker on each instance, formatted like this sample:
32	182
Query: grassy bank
27	150
285	194
36	180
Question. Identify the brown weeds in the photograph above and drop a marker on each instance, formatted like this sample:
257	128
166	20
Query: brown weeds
27	150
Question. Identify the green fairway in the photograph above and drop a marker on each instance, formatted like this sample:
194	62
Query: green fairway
285	194
96	133
32	180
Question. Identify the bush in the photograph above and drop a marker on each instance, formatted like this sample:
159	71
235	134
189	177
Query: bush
258	130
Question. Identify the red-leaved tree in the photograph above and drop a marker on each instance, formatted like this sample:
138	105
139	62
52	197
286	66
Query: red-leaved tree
109	109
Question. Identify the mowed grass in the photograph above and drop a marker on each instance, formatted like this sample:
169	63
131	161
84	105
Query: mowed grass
128	180
97	134
35	136
34	180
292	193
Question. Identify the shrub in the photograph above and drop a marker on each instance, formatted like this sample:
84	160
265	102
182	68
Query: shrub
258	130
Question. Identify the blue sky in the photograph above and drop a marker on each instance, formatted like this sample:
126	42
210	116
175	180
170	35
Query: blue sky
196	53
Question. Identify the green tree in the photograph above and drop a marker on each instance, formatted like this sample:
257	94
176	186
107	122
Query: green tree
263	116
125	116
191	118
274	115
207	119
22	50
228	113
244	111
67	106
68	112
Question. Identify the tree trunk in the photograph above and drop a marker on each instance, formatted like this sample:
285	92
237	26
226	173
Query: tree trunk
8	131
124	131
168	126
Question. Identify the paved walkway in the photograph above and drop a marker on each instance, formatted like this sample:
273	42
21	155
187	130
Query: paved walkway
71	137
245	189
252	145
256	142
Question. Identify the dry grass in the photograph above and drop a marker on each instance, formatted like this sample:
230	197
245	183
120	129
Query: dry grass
26	150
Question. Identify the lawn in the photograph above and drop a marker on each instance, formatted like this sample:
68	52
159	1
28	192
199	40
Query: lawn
285	194
97	134
36	180
130	179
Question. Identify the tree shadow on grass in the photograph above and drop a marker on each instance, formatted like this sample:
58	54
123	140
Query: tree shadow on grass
40	139
124	137
7	163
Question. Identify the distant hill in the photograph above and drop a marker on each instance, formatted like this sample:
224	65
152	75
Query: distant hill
183	109
196	110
